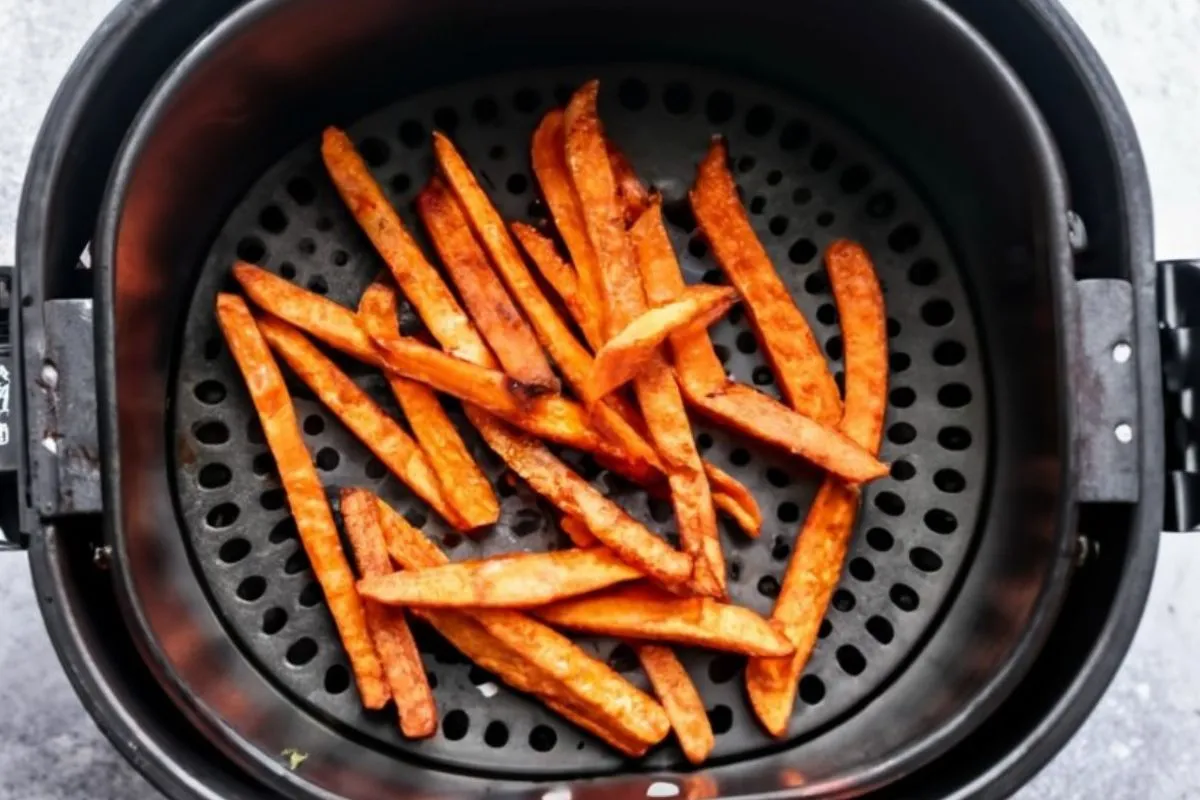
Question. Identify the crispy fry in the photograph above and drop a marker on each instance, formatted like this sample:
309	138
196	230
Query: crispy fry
787	340
314	521
645	612
550	168
366	420
625	300
734	499
573	496
680	700
742	407
561	276
577	532
625	355
518	580
511	338
564	675
816	565
393	639
396	246
463	483
634	196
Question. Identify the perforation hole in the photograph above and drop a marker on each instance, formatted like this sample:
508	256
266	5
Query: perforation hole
527	100
699	249
724	668
214	476
374	151
954	395
833	348
901	433
950	481
310	595
209	392
273	620
222	516
758	202
778	225
889	503
318	285
768	586
302	651
904	597
677	98
949	353
823	156
496	734
902	397
923	272
337	679
812	690
825	629
721	719
719	107
843	601
623	659
374	469
740	457
802	196
788	512
861	569
633	94
283	531
880	539
543	738
817	282
678	213
660	510
855	178
314	424
252	588
272	219
328	459
412	132
296	563
904	238
925	559
516	184
795	134
211	432
703	442
899	362
445	119
254	432
302	191
778	478
307	246
340	258
287	270
746	343
762	376
941	521
234	550
851	660
759	120
881	205
528	521
903	470
954	438
400	183
272	499
774	177
825	219
881	630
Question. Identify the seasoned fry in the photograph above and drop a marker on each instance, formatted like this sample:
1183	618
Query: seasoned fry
816	564
511	338
564	675
787	339
680	700
634	196
314	521
573	496
577	532
366	420
734	499
561	276
518	580
645	612
741	407
396	246
393	639
625	355
550	168
463	483
625	300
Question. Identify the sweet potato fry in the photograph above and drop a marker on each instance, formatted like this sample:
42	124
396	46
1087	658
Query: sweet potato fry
511	338
519	580
680	700
645	612
463	483
550	168
787	339
366	420
816	564
389	630
561	276
734	499
570	494
625	354
564	675
625	300
396	246
745	409
577	532
634	196
306	497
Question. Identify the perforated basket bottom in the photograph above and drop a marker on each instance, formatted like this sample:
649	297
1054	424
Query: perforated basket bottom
806	180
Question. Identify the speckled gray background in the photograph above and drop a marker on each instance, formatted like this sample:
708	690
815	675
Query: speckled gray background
1142	742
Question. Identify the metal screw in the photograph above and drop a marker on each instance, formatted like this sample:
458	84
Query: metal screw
102	557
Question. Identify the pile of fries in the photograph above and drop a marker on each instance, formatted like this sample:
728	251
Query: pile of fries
611	367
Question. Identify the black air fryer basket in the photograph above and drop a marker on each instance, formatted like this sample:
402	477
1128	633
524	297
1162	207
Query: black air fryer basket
978	153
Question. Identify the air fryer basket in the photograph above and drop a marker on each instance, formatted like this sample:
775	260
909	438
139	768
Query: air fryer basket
962	554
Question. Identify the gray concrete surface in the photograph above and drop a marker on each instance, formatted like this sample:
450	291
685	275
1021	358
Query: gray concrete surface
1142	742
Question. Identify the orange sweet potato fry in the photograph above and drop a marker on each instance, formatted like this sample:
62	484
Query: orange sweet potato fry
787	339
395	244
577	532
737	405
463	483
561	276
816	564
389	630
306	497
366	420
625	300
567	678
634	196
511	338
730	496
550	168
645	612
680	700
518	580
625	354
